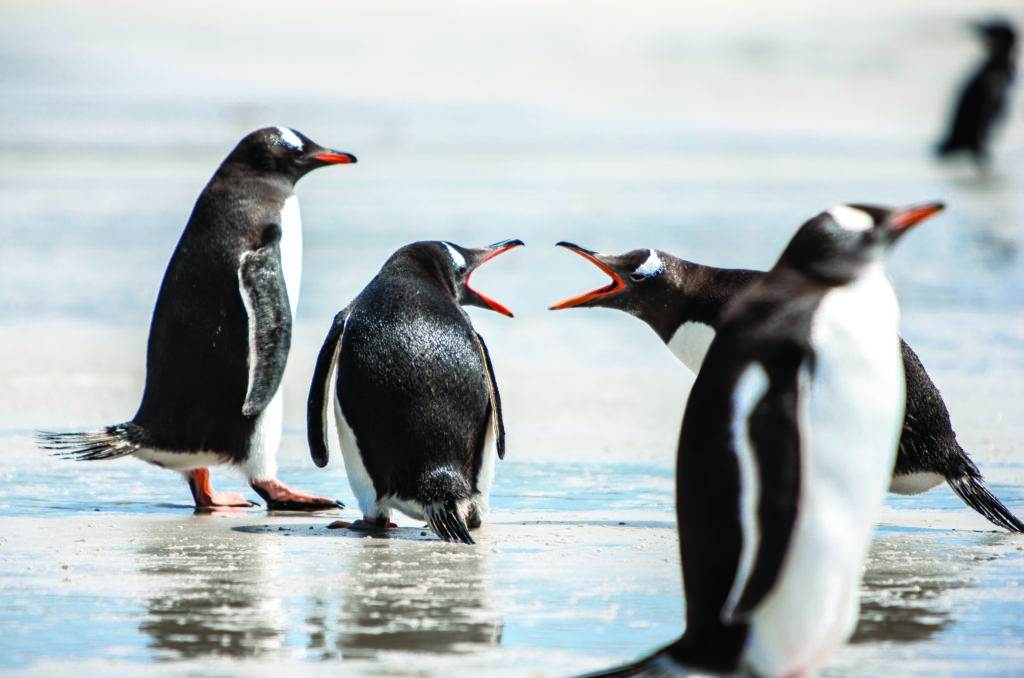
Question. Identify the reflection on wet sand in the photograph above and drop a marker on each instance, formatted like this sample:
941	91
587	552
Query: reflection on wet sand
421	597
904	595
215	597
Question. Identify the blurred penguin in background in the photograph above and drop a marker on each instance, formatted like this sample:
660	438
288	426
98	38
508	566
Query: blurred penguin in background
984	97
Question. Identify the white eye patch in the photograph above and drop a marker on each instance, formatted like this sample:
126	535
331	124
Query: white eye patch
458	260
652	266
290	138
851	218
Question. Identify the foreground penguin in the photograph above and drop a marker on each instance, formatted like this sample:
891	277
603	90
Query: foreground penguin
416	400
221	330
683	302
984	97
787	445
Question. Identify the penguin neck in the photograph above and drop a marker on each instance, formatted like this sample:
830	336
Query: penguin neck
699	294
233	170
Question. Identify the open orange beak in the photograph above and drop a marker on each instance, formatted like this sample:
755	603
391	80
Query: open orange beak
614	287
913	215
495	249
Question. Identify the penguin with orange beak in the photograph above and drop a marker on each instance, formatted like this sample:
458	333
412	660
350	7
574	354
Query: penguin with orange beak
416	402
682	302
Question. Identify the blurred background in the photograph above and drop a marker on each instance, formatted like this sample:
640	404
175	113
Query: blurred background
708	130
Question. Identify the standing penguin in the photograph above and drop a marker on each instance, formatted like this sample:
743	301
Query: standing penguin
683	302
221	330
787	445
985	95
416	400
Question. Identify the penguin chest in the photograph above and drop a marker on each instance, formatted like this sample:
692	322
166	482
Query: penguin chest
850	414
690	343
291	250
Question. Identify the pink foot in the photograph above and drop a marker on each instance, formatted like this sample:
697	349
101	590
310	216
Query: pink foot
363	525
208	500
280	497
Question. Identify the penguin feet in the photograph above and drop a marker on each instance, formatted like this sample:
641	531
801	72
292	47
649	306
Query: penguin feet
364	524
208	500
280	497
473	519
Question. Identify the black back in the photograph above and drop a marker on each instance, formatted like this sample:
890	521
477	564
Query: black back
411	376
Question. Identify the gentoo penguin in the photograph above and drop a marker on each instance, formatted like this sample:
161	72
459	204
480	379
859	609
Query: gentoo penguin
416	400
787	445
984	97
221	330
682	302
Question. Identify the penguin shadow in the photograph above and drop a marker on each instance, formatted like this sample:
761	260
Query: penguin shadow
322	529
409	598
215	598
906	586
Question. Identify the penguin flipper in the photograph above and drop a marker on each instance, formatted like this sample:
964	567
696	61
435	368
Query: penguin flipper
773	446
495	396
265	297
320	391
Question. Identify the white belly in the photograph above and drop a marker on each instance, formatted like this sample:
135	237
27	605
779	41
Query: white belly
690	344
850	422
291	250
358	477
180	461
915	483
486	474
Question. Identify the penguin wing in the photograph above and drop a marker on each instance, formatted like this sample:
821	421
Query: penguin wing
767	446
320	391
492	390
261	284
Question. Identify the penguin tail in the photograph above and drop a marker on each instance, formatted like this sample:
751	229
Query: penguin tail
444	494
109	442
972	490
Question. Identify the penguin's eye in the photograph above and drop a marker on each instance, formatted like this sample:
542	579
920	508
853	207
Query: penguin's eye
650	268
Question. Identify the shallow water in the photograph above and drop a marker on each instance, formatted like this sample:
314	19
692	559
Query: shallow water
707	132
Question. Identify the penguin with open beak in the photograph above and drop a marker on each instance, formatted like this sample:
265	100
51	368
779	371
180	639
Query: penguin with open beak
416	401
682	302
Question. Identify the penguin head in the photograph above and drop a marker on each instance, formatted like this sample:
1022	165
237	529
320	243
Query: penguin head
999	36
284	151
838	244
662	290
638	278
454	264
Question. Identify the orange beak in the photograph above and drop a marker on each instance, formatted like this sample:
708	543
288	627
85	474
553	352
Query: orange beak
614	287
914	215
335	158
497	248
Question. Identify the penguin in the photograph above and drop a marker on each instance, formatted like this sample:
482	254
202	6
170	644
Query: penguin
787	445
683	302
416	404
984	96
221	331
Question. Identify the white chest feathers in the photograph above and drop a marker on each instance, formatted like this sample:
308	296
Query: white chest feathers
690	344
291	250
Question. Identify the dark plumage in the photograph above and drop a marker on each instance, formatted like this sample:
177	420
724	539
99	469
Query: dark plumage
417	403
680	295
983	97
221	329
